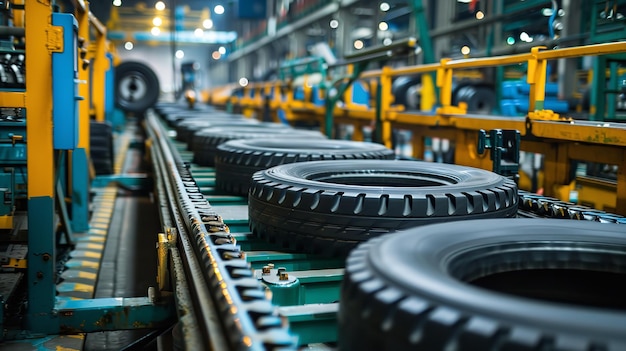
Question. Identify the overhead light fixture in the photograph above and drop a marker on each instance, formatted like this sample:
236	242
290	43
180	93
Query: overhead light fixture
243	81
222	50
198	32
358	44
128	45
384	7
383	26
334	24
218	9
179	54
157	21
480	15
207	24
465	50
155	31
117	3
160	6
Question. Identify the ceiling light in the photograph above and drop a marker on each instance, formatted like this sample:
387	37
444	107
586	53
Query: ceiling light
160	6
358	44
155	31
243	81
157	21
128	45
219	9
207	24
465	50
222	50
480	15
334	23
384	7
198	32
179	54
117	2
383	26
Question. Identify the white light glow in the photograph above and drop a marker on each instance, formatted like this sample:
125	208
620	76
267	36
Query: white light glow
160	6
480	15
222	50
384	7
207	24
128	45
465	50
155	31
387	41
358	44
243	81
198	32
219	9
157	21
383	26
524	36
179	54
216	55
334	24
117	3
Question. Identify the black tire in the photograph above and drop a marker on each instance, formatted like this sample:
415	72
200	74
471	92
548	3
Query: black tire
533	285
205	142
479	98
101	147
136	87
186	130
329	207
237	160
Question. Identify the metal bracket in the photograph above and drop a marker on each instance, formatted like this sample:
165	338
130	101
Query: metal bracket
504	146
54	39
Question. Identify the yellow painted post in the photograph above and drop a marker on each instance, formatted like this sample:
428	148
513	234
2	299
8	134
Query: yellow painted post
444	82
18	15
386	99
536	77
82	18
620	206
42	40
100	66
347	95
427	96
39	100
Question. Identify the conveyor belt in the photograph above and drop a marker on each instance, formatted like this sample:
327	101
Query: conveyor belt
213	252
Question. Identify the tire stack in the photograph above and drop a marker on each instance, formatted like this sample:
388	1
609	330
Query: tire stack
435	259
237	160
101	147
205	142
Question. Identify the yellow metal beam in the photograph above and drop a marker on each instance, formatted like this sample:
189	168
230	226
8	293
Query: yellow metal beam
38	101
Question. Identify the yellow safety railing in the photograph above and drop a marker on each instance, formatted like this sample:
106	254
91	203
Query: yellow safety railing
558	139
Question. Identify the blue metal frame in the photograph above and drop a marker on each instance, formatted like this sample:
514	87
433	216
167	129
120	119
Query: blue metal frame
64	85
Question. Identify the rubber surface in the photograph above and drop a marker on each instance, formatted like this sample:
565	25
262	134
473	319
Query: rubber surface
206	141
186	129
329	207
101	147
136	87
237	160
409	291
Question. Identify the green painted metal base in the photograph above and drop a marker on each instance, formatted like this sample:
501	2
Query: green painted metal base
84	316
